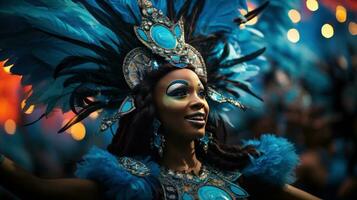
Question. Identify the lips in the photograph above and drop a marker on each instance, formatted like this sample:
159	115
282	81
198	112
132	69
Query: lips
196	119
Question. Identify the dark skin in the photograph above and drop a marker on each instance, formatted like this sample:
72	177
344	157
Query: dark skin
179	151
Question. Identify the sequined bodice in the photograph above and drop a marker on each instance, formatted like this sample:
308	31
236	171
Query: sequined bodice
210	184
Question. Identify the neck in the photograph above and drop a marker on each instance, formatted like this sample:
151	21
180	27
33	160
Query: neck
180	156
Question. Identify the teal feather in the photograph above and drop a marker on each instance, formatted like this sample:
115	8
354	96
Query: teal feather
277	160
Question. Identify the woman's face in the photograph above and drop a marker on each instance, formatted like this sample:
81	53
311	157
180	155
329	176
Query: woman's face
180	101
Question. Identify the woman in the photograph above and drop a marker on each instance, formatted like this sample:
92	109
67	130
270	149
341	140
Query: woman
157	86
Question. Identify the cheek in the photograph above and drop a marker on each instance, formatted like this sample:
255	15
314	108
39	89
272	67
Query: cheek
172	106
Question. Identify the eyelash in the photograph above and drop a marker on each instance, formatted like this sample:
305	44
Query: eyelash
202	93
178	93
183	93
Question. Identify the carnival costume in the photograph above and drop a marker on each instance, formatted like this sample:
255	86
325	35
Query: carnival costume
88	55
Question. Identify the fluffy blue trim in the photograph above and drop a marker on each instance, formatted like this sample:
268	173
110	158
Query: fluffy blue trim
103	167
277	161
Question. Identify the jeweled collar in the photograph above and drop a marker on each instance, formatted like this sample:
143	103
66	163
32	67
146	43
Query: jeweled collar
209	184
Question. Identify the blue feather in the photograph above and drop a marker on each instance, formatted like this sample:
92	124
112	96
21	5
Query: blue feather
277	161
103	167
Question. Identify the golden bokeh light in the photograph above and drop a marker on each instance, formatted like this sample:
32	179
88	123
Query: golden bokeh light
94	115
78	131
294	15
293	35
341	14
10	127
7	69
244	12
29	110
312	5
327	30
252	21
352	27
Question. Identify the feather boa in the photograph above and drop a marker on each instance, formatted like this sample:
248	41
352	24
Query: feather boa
276	163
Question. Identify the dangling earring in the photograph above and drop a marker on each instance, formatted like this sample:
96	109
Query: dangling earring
205	140
158	140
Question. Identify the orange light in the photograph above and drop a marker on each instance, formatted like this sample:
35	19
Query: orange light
9	90
10	127
29	110
94	115
352	27
294	15
293	35
78	131
341	14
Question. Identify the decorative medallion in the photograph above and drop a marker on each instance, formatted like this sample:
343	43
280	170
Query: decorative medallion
133	166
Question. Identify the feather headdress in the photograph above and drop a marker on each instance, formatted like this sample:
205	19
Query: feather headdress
73	50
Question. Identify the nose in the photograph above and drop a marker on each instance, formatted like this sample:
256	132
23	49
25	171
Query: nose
196	102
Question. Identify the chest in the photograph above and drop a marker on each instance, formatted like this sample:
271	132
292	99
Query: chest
210	184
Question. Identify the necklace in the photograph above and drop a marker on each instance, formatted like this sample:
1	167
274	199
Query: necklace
209	184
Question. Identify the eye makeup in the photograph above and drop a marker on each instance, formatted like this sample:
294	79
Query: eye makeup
177	88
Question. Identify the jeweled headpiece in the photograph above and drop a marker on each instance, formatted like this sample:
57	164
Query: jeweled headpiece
164	38
78	59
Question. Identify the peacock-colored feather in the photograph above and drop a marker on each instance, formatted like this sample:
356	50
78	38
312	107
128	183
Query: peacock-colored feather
73	50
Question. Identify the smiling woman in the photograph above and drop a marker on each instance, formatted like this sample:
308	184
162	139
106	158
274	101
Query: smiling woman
154	70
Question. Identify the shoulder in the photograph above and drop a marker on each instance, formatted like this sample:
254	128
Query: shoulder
276	162
120	177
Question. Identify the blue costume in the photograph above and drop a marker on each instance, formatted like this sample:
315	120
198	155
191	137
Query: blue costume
275	166
91	54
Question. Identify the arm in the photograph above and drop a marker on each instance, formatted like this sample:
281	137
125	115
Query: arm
289	192
25	185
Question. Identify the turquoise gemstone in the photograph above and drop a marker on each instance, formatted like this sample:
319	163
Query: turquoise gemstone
178	31
179	65
127	105
176	58
186	196
210	192
142	34
238	191
163	37
150	11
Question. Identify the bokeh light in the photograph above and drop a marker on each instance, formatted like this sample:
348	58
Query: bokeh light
78	131
94	115
341	14
327	30
7	69
10	126
29	110
293	35
312	5
352	27
294	15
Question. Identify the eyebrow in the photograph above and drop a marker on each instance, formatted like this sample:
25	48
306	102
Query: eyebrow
178	81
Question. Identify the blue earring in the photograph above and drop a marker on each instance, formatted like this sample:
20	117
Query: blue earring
158	140
205	140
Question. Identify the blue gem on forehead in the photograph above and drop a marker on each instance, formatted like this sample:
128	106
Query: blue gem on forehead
163	37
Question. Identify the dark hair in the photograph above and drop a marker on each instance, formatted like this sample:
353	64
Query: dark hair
133	137
135	132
